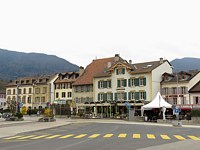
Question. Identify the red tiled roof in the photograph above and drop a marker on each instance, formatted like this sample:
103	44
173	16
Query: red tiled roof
96	67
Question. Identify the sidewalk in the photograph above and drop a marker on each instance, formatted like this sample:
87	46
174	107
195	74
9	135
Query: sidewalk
30	123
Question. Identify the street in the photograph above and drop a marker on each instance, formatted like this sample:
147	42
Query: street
98	136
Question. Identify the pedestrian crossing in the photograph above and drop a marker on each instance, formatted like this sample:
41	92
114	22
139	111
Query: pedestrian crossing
106	136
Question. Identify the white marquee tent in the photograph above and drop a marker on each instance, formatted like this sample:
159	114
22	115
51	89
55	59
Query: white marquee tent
157	102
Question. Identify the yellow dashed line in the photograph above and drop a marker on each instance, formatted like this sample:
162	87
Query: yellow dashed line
165	137
179	137
53	136
80	136
13	137
194	138
25	137
136	136
108	135
66	136
122	135
150	136
39	137
94	136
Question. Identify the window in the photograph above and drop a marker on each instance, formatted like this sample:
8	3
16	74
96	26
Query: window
131	82
8	92
183	90
165	91
101	96
19	91
120	96
109	96
109	84
142	95
174	101
142	81
24	99
37	99
63	95
174	90
43	99
196	100
57	95
29	90
132	96
100	84
69	94
44	90
29	100
121	83
37	90
120	71
24	91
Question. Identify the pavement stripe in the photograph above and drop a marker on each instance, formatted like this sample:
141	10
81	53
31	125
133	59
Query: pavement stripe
26	137
179	137
165	137
94	136
151	136
80	136
122	135
53	136
12	137
66	136
136	136
194	138
108	135
39	137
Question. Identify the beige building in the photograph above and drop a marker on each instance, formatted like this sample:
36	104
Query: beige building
175	88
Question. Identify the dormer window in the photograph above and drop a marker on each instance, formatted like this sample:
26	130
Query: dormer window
120	71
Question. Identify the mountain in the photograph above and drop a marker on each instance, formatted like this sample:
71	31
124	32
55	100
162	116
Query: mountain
186	64
18	64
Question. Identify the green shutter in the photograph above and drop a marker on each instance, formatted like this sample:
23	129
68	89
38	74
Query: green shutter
125	95
117	72
125	80
145	96
111	96
98	97
104	84
98	84
136	95
115	96
129	95
129	82
118	83
136	82
123	70
105	96
144	81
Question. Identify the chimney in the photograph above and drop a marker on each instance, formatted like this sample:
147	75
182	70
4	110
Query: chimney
108	64
161	60
81	70
130	61
116	57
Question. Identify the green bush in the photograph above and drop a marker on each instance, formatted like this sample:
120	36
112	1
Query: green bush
195	113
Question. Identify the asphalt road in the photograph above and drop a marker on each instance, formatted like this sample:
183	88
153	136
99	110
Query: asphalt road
99	136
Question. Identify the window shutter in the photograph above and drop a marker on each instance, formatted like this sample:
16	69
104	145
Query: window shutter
105	84
98	97
123	70
136	82
117	72
115	96
144	81
125	80
118	83
145	96
129	95
111	96
136	95
125	95
129	82
98	84
105	96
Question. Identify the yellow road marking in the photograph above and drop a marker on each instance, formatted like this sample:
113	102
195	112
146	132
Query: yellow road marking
179	137
39	137
13	137
94	136
122	135
80	136
66	136
136	136
108	135
150	136
53	136
165	137
194	138
25	137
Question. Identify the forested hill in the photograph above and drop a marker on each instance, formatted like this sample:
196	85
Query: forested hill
18	64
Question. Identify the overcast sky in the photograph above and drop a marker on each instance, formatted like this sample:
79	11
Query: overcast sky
82	30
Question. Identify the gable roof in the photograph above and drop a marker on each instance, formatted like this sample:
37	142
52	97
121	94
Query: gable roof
195	88
96	67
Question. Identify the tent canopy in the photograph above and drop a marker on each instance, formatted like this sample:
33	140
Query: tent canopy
157	102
